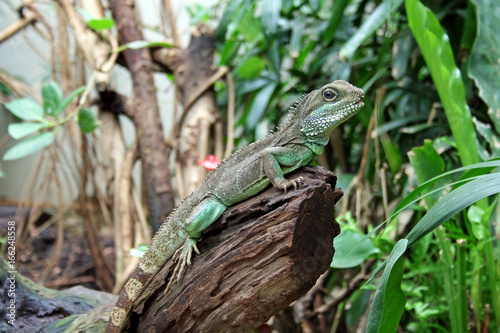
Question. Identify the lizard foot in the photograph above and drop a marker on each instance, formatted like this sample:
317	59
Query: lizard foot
296	182
183	258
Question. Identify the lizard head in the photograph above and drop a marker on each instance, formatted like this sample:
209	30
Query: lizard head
326	108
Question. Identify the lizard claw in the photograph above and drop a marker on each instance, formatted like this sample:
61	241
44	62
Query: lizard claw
183	259
296	182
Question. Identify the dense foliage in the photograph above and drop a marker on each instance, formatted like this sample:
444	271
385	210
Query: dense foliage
418	164
432	88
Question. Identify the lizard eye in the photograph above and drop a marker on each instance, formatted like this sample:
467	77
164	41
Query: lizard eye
329	94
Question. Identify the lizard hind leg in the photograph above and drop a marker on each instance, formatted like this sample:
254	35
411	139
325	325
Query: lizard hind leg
202	216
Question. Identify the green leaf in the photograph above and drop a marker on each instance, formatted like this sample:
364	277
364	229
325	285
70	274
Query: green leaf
369	27
273	53
229	52
350	250
427	164
335	19
69	99
139	44
296	37
96	23
229	14
270	16
413	196
29	146
251	68
389	301
86	121
139	251
436	49
101	23
484	57
467	194
52	97
475	215
20	130
250	28
26	109
454	202
259	104
2	174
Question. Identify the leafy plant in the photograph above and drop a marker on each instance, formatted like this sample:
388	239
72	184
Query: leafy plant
43	120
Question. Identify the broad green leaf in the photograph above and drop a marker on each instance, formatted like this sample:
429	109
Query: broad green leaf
69	99
335	19
227	17
101	23
229	52
392	153
198	14
413	196
484	57
136	253
475	215
52	97
29	146
489	134
389	302
250	28
86	121
454	202
251	68
436	49
26	109
273	53
20	130
270	16
427	164
96	23
350	250
259	104
467	194
296	38
369	27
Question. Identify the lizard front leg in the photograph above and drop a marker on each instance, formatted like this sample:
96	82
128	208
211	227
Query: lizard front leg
202	216
274	158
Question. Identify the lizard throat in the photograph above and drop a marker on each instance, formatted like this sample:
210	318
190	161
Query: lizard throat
322	125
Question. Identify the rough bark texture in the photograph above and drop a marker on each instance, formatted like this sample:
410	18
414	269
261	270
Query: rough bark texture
145	115
260	256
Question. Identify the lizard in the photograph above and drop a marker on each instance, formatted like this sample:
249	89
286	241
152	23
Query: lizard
242	175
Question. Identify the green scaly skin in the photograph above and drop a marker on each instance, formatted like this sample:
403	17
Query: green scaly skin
242	175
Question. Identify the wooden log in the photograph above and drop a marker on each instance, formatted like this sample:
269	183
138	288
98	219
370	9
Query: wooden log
260	256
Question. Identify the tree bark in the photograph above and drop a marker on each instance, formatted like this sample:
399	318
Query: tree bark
145	115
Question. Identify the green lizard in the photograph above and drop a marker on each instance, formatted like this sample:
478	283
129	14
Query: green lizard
242	175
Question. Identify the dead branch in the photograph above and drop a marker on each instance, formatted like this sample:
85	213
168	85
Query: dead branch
145	115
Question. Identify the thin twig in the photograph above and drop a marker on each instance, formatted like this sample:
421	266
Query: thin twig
171	20
28	18
230	114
